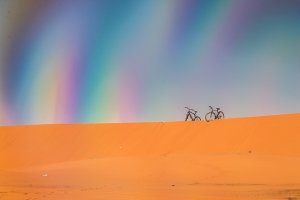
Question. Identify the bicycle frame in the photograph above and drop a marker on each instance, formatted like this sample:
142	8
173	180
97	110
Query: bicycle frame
215	111
191	115
214	114
218	113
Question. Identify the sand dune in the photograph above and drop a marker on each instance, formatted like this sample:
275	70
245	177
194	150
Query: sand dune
248	158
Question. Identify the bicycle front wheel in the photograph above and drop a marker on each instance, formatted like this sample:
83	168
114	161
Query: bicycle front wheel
197	118
221	115
188	116
210	116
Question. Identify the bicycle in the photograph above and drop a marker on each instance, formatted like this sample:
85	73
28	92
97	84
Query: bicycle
192	114
214	114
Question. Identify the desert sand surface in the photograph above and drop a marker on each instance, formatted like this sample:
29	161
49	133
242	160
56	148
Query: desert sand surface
246	158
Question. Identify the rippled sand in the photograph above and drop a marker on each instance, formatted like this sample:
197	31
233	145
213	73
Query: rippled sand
251	158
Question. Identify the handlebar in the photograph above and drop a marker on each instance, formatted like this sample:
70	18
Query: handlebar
190	109
217	109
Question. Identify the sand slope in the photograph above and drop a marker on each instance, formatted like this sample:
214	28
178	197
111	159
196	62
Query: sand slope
249	158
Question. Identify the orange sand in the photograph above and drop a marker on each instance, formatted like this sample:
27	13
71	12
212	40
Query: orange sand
249	158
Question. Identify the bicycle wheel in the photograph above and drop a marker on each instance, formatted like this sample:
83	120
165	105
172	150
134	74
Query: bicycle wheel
221	115
210	116
197	118
188	116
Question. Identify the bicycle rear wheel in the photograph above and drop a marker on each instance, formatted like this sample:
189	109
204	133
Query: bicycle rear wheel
210	116
197	118
221	115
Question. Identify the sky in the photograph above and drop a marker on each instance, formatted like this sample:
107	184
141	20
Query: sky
100	61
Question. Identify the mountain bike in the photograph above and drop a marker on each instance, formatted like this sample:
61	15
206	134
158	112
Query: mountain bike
214	114
192	114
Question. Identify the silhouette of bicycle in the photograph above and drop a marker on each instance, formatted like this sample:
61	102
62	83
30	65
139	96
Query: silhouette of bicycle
214	114
192	114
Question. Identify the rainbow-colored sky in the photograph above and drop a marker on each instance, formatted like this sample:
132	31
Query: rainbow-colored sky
87	61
